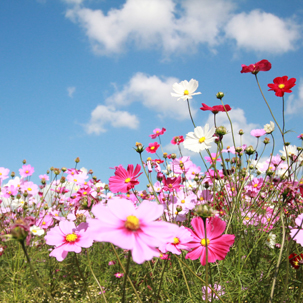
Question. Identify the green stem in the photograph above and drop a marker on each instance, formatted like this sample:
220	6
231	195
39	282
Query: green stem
125	276
192	120
206	261
185	280
89	265
124	271
161	278
81	275
34	273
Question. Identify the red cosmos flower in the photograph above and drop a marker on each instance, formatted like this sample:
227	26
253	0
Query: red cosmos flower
152	147
177	140
295	259
263	65
282	85
124	180
215	109
157	132
172	183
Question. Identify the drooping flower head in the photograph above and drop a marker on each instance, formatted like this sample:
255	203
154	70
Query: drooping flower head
263	65
185	90
128	227
199	139
218	244
216	108
177	140
258	132
282	85
124	180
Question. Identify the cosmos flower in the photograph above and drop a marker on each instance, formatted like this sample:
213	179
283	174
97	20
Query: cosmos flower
200	139
282	85
157	132
216	108
269	128
131	228
218	245
124	180
26	170
152	147
185	90
263	65
258	132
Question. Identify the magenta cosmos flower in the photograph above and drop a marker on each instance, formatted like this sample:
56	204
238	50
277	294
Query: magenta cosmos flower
218	244
152	147
124	180
129	228
263	65
67	237
26	170
157	132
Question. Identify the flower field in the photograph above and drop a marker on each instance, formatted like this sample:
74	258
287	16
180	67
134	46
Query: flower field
225	227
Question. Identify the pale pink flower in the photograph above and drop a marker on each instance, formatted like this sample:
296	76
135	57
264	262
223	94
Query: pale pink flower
26	170
131	228
119	275
218	245
258	132
31	188
217	288
67	237
297	234
3	173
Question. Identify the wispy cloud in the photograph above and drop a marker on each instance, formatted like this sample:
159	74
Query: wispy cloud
295	105
71	90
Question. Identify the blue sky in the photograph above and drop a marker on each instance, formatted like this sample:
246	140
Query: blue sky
90	78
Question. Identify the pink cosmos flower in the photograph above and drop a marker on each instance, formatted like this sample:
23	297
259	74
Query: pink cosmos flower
213	159
171	184
31	188
177	140
67	237
111	263
129	228
218	244
44	177
157	132
178	242
119	275
297	234
26	170
152	147
3	173
258	132
45	221
8	191
124	180
217	288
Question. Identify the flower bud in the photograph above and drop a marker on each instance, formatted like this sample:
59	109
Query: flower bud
173	156
160	176
165	155
19	234
241	132
77	160
57	171
62	180
266	140
286	143
220	95
13	174
139	148
106	187
249	150
24	161
64	169
238	149
283	158
179	208
221	130
204	211
90	172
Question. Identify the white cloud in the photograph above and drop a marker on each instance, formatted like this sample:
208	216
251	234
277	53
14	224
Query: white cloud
103	115
157	24
239	121
154	94
295	105
180	26
260	31
70	91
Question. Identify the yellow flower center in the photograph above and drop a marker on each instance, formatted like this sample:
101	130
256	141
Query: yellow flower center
148	159
85	193
204	243
255	185
71	237
34	231
202	139
152	148
132	223
176	241
232	189
127	180
186	92
281	85
296	263
29	189
75	180
247	218
183	201
43	223
157	132
26	171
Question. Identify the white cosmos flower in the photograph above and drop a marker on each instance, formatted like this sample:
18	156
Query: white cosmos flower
37	231
200	139
271	240
269	128
185	90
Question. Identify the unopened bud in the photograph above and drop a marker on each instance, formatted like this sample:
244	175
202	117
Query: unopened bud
286	143
241	132
221	130
13	174
204	211
57	171
179	208
63	179
77	160
266	140
24	161
139	148
90	172
220	95
173	156
238	149
249	150
64	169
283	158
164	155
106	187
95	178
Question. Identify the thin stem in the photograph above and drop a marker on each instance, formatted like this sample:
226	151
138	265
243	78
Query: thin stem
81	275
125	277
89	265
161	278
283	110
206	261
192	120
124	271
185	279
34	273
